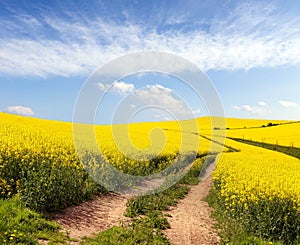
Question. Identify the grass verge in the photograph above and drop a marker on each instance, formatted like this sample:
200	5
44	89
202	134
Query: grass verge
20	225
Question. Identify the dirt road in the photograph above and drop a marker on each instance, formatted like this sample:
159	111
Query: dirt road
191	221
94	216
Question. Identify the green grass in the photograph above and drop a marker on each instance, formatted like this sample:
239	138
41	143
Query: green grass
140	231
288	150
20	225
145	205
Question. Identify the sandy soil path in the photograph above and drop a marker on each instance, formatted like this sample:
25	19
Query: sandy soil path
191	221
94	216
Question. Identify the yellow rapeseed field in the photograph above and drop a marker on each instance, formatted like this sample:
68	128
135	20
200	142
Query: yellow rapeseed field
285	134
260	189
39	160
255	173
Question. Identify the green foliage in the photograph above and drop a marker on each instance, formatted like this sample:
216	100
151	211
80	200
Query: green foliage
143	205
20	225
49	183
140	231
45	184
192	176
275	220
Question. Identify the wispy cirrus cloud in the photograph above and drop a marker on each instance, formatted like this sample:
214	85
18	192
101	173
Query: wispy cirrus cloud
249	36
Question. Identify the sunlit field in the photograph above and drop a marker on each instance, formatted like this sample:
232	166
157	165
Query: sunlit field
256	187
284	134
39	161
260	189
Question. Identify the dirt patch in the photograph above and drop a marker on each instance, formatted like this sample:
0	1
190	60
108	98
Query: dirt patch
91	217
190	220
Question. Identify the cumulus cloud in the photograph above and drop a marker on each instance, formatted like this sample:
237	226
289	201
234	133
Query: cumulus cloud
254	110
162	98
117	87
196	111
252	35
288	103
122	88
20	110
104	87
262	103
235	107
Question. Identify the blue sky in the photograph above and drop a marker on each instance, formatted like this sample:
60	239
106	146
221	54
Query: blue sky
250	50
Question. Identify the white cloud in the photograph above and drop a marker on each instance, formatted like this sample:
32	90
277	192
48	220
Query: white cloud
122	88
288	103
20	110
117	87
104	86
235	107
163	99
247	108
156	97
157	116
253	35
196	111
262	103
254	110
